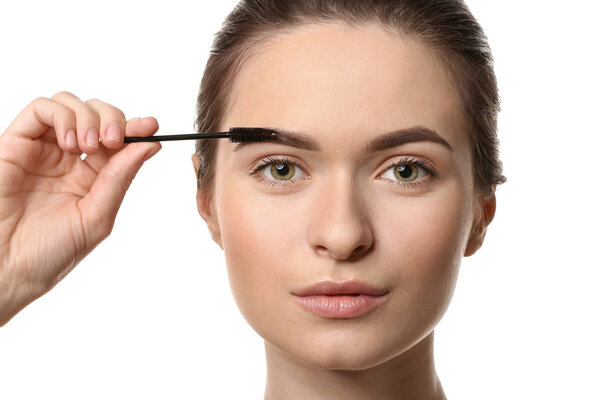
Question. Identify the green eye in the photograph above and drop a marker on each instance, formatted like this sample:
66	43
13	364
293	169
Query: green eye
282	171
409	171
406	173
278	171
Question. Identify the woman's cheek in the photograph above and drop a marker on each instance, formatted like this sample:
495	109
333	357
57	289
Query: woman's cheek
256	224
424	237
257	232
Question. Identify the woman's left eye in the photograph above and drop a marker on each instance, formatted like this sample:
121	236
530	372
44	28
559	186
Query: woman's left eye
408	172
278	171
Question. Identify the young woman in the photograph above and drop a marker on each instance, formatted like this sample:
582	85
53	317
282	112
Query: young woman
343	239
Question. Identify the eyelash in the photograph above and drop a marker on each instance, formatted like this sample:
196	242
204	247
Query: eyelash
268	161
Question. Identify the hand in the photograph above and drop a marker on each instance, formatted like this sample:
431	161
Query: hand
55	207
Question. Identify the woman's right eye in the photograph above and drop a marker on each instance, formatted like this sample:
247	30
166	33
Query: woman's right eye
278	171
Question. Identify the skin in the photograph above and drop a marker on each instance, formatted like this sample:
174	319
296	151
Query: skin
343	216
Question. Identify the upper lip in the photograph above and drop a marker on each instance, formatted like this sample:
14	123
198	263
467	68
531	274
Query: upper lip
340	287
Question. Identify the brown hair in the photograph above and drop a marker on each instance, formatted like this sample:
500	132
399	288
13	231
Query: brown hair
446	26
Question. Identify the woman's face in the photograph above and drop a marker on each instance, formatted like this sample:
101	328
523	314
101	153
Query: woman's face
338	209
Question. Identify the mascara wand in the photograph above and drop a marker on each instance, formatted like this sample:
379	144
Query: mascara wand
234	134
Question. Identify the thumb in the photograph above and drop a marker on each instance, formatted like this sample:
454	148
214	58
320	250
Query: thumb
99	207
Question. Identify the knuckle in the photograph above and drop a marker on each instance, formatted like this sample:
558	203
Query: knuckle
105	110
94	100
38	102
120	113
40	99
63	94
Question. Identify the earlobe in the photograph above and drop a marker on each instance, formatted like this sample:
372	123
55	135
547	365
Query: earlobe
206	210
483	217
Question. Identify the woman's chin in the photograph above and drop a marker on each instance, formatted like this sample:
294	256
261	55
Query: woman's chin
334	351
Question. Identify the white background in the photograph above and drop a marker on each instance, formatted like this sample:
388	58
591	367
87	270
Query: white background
149	314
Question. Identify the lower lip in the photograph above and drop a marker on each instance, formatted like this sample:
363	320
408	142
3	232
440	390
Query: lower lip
339	306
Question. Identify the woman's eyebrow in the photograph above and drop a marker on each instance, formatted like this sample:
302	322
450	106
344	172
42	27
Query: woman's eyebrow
287	138
390	139
406	135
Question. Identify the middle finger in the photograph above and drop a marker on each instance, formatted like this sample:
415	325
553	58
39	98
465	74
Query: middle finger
112	123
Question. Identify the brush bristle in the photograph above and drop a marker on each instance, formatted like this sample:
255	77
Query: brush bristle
251	134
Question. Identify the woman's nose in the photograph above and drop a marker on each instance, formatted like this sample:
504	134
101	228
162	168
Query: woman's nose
339	226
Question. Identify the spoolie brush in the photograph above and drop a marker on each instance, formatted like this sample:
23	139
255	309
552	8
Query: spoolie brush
234	134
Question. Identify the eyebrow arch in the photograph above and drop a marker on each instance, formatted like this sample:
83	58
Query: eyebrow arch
390	139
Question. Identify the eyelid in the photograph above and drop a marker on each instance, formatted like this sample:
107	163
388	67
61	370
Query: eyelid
411	160
273	158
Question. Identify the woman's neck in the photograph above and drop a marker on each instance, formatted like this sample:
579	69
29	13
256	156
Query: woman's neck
409	376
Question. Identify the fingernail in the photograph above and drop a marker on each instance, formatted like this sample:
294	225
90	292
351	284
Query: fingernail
71	139
114	133
91	138
151	153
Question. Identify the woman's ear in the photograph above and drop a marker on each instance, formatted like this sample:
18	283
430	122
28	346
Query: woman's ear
204	202
484	214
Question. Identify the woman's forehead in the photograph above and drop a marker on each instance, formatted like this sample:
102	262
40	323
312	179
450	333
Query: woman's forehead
327	77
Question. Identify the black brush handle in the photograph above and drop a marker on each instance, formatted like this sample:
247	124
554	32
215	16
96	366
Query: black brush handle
184	136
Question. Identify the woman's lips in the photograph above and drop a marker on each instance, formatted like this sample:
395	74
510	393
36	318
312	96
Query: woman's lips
347	299
339	306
